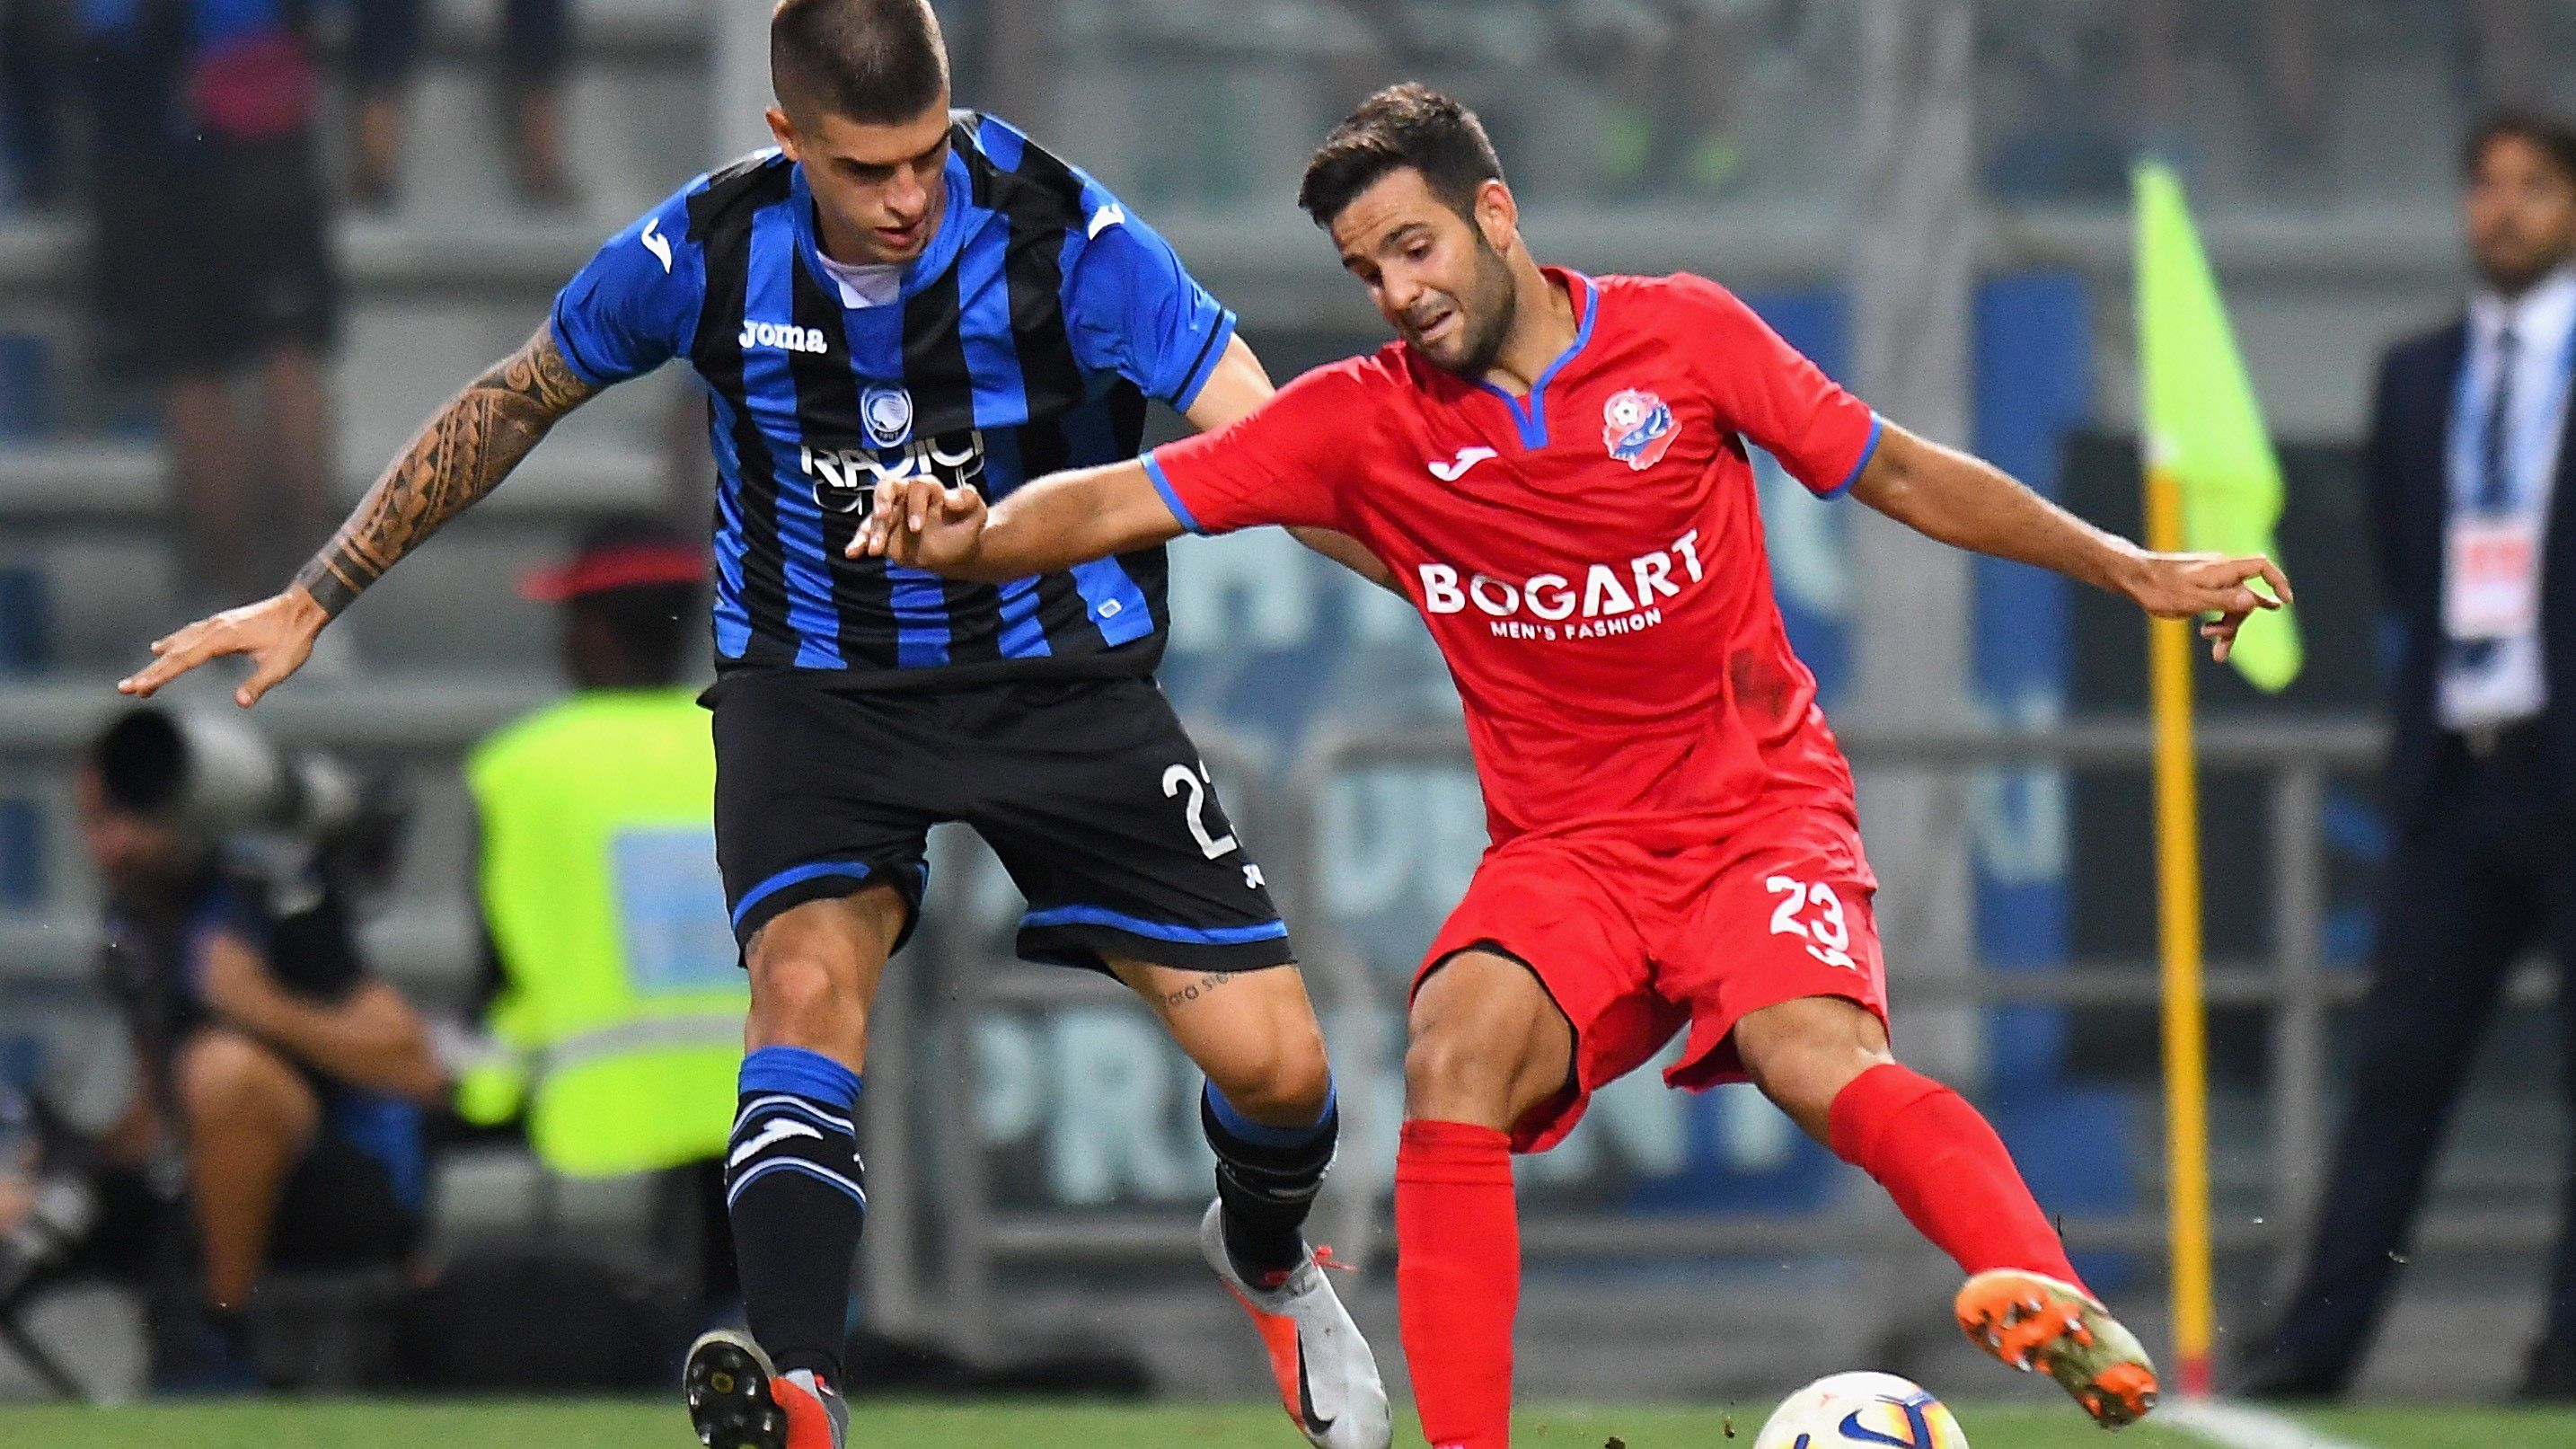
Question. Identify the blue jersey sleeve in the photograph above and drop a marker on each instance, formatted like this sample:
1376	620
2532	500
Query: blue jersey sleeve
1131	308
635	306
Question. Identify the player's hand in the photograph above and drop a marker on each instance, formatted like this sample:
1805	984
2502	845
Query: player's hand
2194	585
923	525
277	633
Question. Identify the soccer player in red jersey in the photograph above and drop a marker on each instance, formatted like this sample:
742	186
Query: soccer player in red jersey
1555	467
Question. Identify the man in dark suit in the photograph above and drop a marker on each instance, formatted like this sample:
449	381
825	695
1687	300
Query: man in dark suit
2467	446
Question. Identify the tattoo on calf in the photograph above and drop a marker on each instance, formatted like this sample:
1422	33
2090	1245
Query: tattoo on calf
458	456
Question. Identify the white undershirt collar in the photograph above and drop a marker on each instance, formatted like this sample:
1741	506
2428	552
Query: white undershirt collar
867	285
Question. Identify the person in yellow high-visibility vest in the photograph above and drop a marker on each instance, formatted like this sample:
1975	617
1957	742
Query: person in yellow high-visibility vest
617	1010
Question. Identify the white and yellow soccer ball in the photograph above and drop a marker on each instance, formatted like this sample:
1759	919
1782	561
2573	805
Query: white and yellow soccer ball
1861	1411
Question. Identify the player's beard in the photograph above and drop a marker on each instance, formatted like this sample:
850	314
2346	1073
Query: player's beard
1484	309
1485	315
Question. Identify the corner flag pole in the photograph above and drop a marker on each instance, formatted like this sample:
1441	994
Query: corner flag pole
2178	915
2213	483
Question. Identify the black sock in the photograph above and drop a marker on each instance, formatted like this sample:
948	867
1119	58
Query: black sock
1267	1177
792	1189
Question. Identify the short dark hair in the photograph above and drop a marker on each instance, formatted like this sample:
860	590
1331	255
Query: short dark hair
1403	125
878	61
141	761
2555	140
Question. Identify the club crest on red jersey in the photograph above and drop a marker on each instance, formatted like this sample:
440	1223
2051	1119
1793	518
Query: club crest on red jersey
1637	427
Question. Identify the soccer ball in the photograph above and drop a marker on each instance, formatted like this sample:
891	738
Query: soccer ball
1847	1411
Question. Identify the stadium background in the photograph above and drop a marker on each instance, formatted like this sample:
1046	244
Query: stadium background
1045	1133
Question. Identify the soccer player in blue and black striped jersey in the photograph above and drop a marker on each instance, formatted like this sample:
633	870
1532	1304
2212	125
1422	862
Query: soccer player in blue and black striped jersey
900	291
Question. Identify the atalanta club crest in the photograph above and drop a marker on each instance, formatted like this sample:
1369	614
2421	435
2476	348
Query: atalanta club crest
888	414
1637	427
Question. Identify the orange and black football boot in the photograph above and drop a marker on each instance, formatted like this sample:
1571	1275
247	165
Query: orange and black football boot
2040	1325
739	1400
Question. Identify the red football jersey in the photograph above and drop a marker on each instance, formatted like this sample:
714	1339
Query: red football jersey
1589	558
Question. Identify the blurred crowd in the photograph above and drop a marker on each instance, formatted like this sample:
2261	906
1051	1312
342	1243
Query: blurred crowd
188	135
79	78
2071	81
2089	85
2500	52
1668	72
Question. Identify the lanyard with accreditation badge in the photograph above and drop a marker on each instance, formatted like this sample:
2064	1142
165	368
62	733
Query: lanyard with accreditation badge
2491	589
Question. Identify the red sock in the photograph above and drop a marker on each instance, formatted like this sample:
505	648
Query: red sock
1458	1279
1947	1170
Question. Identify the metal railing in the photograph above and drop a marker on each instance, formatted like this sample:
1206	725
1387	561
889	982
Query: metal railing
942	1243
2295	760
2293	764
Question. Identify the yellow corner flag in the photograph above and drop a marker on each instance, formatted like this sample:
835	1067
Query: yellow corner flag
2199	424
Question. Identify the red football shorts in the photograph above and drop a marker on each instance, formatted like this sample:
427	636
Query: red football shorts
1637	937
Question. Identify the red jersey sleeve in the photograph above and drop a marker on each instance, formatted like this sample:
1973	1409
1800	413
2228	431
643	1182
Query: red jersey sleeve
1770	392
1286	462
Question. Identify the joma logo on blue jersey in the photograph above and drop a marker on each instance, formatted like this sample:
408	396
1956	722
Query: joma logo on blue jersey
786	335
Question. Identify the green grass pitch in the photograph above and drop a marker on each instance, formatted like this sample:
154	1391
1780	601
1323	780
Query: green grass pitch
878	1425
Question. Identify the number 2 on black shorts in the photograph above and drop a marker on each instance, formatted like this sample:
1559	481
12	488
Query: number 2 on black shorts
1180	779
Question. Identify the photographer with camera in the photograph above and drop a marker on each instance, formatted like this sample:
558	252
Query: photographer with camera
279	1080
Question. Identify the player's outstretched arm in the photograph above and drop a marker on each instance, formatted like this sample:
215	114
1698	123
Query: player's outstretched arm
1235	388
1052	524
1971	504
462	453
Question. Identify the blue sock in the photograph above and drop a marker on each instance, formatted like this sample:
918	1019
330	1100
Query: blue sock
793	1190
1267	1178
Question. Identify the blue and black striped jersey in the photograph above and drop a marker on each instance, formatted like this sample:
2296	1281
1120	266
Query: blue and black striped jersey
1026	339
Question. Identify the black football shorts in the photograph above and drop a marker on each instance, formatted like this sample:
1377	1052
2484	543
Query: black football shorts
1089	791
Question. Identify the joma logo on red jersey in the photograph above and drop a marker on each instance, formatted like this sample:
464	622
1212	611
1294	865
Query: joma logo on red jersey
1604	591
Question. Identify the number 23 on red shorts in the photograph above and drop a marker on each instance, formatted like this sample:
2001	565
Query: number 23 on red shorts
1638	938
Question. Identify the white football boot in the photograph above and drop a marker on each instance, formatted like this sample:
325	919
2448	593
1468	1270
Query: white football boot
1327	1379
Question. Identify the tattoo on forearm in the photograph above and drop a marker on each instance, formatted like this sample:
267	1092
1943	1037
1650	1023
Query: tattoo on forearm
1204	986
458	456
333	578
